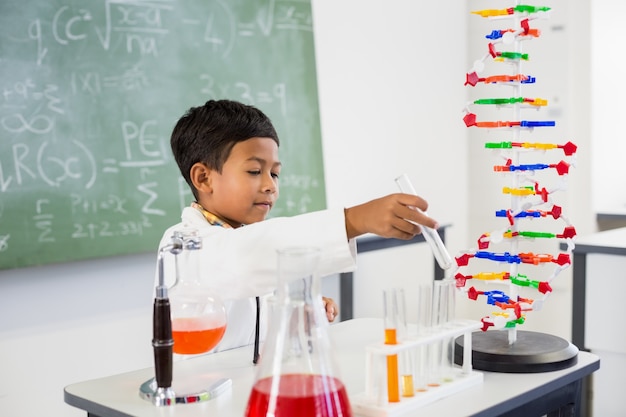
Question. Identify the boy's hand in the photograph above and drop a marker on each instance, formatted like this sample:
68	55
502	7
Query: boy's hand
331	308
389	216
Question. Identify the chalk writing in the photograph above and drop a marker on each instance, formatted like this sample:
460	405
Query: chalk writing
43	222
149	189
4	242
112	203
139	137
34	33
244	92
294	16
301	182
109	230
64	25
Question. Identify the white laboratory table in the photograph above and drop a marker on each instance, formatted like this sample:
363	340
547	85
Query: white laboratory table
500	394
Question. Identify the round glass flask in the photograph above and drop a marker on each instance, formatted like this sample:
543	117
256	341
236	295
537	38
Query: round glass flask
296	374
198	314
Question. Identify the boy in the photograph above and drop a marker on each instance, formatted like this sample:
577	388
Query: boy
228	154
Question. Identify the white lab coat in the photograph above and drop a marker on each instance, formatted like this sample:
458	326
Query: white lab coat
241	263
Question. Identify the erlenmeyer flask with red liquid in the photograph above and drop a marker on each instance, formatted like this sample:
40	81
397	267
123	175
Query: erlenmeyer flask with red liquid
296	374
198	314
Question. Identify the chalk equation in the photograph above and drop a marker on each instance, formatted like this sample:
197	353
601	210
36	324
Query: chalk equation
51	231
244	92
140	26
47	163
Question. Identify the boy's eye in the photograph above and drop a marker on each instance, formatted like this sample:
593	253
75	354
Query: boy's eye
275	175
254	172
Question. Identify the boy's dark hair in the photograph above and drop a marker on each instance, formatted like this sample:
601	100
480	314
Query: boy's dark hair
208	133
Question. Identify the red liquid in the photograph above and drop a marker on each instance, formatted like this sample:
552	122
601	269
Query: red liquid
299	395
189	339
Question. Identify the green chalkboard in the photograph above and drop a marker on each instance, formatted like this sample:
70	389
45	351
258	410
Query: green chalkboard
90	91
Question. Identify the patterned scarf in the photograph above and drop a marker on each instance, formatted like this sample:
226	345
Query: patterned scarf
210	217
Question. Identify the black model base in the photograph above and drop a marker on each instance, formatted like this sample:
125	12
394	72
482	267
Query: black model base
530	353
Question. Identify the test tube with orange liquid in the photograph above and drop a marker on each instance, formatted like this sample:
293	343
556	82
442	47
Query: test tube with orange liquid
406	358
390	307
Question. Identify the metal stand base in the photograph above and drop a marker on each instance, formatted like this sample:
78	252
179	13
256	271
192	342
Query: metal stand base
532	352
170	396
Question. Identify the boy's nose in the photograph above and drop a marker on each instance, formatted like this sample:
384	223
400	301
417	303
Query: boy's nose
269	185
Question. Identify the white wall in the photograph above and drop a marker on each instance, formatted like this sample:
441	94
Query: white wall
609	139
391	91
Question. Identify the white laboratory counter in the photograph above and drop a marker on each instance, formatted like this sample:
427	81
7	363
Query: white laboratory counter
500	394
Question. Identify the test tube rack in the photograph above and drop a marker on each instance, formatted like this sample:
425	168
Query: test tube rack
374	402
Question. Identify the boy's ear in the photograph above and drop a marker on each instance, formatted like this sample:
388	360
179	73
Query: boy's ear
200	176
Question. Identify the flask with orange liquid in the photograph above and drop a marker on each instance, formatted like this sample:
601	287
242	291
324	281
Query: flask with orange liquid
189	318
296	373
198	314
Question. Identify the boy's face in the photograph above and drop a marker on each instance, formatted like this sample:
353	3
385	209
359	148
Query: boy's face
247	188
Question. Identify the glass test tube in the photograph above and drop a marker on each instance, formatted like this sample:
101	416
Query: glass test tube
432	237
442	353
406	359
439	309
390	308
447	353
424	298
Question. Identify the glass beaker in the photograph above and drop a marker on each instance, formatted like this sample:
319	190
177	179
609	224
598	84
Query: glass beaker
198	314
296	374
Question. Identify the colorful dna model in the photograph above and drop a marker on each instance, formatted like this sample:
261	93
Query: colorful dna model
534	206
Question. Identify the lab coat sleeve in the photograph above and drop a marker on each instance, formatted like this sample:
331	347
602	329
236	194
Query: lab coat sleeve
240	263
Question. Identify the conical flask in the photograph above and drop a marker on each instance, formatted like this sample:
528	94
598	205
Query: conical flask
297	374
198	313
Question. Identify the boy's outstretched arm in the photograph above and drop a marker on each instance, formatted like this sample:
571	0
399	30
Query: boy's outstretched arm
389	217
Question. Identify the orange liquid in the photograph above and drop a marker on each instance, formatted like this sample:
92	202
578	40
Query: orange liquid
190	338
407	386
393	388
299	395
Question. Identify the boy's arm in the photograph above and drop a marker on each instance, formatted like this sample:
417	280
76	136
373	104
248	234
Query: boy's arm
388	216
